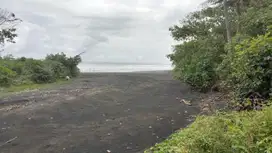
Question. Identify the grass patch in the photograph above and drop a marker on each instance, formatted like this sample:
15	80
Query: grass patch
235	132
13	89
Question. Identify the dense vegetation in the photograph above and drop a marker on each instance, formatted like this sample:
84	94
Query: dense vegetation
227	44
236	132
21	71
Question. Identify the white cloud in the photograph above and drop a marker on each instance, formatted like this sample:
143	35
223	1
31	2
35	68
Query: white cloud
109	30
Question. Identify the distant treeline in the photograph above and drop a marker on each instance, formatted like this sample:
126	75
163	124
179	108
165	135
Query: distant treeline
19	71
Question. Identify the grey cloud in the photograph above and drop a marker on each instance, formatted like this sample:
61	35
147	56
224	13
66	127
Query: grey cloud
125	34
109	24
102	28
41	20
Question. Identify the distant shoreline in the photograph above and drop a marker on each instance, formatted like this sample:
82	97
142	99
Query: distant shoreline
94	68
116	72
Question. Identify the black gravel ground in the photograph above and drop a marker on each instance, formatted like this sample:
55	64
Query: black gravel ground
96	113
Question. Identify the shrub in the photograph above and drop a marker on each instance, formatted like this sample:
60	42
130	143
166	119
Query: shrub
255	21
58	69
248	67
27	70
234	132
69	62
196	61
6	76
42	75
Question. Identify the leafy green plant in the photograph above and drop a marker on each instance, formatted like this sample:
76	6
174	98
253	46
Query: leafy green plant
6	76
234	132
195	64
69	62
204	57
196	58
248	67
256	20
23	71
58	69
42	75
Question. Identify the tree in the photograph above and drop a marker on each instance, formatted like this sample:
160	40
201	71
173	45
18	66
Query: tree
240	7
69	62
205	57
8	21
227	21
226	4
203	36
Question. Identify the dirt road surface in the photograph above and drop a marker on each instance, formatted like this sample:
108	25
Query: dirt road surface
118	112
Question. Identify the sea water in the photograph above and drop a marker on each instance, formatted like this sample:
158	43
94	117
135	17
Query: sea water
89	67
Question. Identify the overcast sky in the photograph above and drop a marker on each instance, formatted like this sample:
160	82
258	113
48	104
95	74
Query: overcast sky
108	30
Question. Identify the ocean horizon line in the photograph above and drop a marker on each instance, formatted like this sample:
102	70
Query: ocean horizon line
87	67
124	63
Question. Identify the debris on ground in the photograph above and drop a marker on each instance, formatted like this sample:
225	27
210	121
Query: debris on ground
9	141
187	102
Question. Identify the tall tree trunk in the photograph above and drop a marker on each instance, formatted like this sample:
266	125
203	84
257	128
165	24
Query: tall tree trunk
228	30
238	12
242	4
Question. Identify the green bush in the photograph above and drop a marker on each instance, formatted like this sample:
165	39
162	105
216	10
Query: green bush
69	62
58	69
256	20
42	75
23	70
196	61
200	57
6	76
248	67
201	40
236	132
